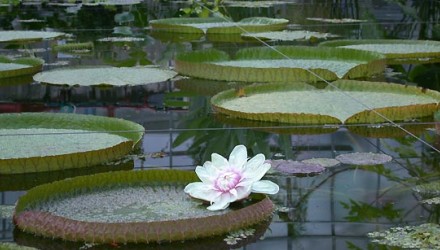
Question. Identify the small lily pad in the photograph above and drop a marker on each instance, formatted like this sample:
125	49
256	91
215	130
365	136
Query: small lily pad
336	20
324	162
105	76
295	167
289	35
428	189
6	211
23	36
364	159
14	246
432	201
19	67
425	236
253	4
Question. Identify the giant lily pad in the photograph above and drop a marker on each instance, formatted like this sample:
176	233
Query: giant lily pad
218	25
396	51
37	142
282	64
128	207
363	159
28	35
304	104
19	67
105	76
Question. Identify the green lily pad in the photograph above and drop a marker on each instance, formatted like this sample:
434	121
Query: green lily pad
396	51
308	105
212	25
28	35
105	76
428	189
290	63
335	20
14	246
129	207
253	4
19	67
324	162
112	2
289	35
38	142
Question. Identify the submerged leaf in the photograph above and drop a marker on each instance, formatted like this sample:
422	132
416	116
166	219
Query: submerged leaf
105	76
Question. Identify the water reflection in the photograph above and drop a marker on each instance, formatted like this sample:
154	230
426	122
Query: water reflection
333	210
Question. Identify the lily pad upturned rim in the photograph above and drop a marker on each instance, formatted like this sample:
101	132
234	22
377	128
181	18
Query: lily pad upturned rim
400	58
367	116
201	64
252	24
129	130
48	225
34	65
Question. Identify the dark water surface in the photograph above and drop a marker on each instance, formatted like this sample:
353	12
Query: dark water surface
332	210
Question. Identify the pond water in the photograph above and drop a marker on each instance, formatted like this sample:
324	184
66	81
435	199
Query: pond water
332	210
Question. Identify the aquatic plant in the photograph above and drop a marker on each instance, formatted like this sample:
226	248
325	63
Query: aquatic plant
30	216
308	105
225	181
119	76
217	25
280	64
28	35
396	51
19	67
425	236
428	189
324	162
44	151
295	167
86	46
288	35
363	158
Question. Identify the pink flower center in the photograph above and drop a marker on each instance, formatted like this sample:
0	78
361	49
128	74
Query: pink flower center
227	181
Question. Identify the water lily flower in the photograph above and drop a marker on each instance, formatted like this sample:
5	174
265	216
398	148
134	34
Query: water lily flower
225	181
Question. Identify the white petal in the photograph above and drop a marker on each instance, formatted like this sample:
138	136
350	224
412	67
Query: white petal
255	170
222	202
200	190
204	175
238	156
265	187
243	192
210	167
219	161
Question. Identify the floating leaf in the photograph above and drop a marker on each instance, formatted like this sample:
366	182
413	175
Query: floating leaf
87	46
19	67
425	236
14	246
62	141
271	65
307	105
253	4
147	218
432	201
428	189
335	20
295	167
6	211
364	159
324	162
218	25
289	35
105	76
28	35
396	51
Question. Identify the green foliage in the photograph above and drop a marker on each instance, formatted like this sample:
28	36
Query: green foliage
364	212
202	8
